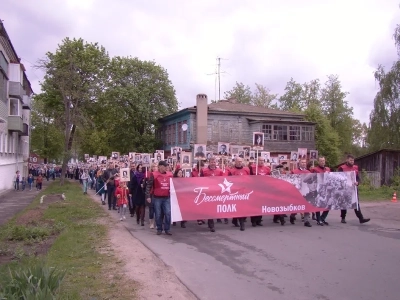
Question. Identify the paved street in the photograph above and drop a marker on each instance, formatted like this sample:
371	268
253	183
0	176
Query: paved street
340	261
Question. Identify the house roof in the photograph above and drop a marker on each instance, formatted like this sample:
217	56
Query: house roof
230	107
369	154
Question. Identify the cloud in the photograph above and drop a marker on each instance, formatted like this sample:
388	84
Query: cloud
267	42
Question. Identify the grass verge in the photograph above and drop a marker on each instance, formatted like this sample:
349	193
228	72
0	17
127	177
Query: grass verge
69	236
384	193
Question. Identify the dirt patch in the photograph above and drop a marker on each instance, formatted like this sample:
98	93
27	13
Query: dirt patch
51	198
31	217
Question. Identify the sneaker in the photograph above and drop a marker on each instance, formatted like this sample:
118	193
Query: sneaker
325	223
168	233
124	217
158	232
121	219
320	223
343	221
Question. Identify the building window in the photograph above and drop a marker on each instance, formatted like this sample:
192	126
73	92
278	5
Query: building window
280	132
14	107
3	88
267	130
307	133
294	133
169	135
184	134
173	134
180	131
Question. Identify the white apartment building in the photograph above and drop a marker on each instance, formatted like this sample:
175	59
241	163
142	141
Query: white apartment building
15	112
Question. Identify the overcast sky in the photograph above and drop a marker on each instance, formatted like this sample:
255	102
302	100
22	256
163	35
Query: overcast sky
261	41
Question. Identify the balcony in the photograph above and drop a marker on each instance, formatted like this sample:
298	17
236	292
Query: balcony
25	129
15	124
15	89
26	102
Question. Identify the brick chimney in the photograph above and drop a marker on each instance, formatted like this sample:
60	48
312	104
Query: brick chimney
201	118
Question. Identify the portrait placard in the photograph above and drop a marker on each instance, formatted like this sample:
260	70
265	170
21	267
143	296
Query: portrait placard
223	149
124	174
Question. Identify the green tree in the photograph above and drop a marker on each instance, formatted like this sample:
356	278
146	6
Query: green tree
292	99
136	96
46	138
74	78
240	92
263	97
326	138
338	112
384	128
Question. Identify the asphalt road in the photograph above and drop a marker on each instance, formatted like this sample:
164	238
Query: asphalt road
339	261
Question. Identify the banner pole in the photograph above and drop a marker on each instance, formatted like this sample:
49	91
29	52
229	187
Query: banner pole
256	162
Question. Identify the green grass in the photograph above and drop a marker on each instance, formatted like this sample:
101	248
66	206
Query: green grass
91	273
383	193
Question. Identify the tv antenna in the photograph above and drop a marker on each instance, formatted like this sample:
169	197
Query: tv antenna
218	77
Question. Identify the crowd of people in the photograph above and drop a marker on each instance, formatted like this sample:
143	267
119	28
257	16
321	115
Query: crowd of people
150	188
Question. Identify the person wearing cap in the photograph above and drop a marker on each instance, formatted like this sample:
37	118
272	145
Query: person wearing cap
239	170
159	183
348	167
301	169
211	170
321	168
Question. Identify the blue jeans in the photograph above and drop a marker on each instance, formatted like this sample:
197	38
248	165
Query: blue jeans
85	184
162	204
151	209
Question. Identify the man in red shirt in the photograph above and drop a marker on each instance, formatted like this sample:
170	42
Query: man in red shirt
239	170
263	170
348	167
321	168
211	170
302	169
159	185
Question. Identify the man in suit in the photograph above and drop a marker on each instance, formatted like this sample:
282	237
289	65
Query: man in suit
222	150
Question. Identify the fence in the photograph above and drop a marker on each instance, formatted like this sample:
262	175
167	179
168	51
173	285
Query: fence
373	176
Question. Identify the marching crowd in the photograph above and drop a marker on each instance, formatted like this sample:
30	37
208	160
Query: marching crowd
151	188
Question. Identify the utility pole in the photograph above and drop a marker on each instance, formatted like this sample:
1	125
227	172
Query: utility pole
218	73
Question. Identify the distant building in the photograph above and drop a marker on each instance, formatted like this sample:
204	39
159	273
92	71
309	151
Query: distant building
15	105
234	123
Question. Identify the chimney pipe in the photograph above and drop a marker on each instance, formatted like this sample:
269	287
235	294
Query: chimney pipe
201	118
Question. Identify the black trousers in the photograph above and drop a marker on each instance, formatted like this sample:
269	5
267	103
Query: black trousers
321	217
358	213
235	221
110	196
255	219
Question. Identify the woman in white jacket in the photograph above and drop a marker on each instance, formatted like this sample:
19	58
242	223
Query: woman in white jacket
85	178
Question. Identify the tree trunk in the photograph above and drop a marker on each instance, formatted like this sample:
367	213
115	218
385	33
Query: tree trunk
66	140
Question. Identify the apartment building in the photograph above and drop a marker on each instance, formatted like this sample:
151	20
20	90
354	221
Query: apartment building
15	112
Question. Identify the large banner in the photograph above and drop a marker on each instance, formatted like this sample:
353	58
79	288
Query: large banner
243	196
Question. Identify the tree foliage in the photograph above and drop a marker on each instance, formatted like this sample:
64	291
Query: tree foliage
240	92
384	127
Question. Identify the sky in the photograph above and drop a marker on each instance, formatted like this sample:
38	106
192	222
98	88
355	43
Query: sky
258	41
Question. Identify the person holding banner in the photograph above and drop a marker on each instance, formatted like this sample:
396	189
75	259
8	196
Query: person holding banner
211	170
159	182
321	168
348	167
239	170
179	174
302	169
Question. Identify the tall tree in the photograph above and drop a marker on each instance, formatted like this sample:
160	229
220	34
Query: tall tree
338	112
47	137
292	99
74	77
137	94
384	129
242	93
263	97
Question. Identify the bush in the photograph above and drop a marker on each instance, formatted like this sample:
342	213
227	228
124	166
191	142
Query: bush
34	283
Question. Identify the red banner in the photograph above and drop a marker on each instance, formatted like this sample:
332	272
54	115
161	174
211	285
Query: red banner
243	196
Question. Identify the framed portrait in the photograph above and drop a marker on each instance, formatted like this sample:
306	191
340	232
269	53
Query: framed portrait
124	174
294	156
266	156
274	160
158	156
138	158
170	160
235	149
146	160
258	139
209	154
132	156
186	159
160	151
199	151
223	149
187	172
282	157
246	150
302	153
102	159
115	155
313	154
86	156
94	157
252	155
175	151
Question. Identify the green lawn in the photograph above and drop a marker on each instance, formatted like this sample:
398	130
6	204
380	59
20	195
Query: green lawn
383	193
78	245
